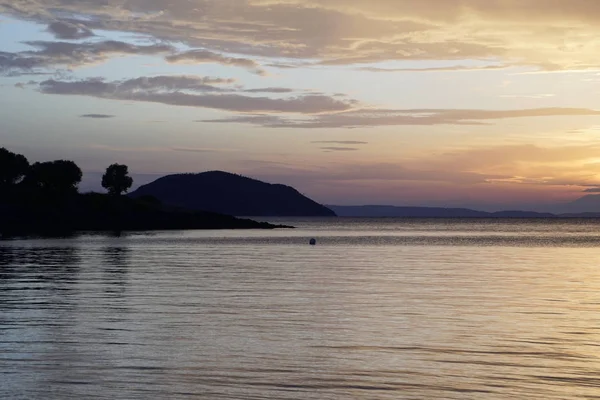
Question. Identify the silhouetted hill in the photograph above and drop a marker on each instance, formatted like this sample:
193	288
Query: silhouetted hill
226	193
429	212
586	204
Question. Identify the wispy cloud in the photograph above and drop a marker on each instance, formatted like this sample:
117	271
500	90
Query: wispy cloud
339	148
204	150
69	30
204	56
385	117
97	116
270	90
528	96
458	68
339	142
167	90
52	55
544	35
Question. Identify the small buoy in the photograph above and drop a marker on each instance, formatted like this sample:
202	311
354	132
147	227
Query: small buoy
313	242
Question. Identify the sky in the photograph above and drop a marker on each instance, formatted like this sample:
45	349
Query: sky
489	104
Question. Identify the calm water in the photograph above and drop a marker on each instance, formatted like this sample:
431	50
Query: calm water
379	309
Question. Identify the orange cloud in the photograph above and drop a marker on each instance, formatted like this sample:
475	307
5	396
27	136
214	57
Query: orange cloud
549	35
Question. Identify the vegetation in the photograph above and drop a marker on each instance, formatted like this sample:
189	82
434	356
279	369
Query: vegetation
13	168
232	194
43	198
117	180
39	183
54	178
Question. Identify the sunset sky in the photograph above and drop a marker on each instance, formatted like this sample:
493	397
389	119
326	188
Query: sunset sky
490	104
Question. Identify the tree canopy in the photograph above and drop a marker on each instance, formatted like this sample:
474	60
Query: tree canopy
59	177
13	167
117	180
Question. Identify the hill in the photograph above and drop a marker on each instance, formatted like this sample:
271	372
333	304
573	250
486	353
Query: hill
225	193
586	204
429	212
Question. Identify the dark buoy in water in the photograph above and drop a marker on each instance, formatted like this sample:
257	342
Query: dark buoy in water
313	242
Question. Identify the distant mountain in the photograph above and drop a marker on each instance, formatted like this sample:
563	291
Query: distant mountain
429	212
225	193
586	204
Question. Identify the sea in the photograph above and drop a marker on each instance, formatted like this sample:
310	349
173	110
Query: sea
377	309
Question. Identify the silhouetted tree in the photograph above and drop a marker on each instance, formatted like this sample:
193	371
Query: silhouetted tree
117	180
13	168
56	178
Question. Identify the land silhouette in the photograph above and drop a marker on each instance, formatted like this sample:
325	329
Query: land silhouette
227	193
384	211
43	198
233	194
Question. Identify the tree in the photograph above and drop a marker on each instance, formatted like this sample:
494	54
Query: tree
117	180
59	177
13	168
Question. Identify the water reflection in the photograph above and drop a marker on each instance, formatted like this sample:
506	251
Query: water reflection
174	315
115	261
50	269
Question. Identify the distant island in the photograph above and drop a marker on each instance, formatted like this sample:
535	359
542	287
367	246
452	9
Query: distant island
226	193
42	198
438	212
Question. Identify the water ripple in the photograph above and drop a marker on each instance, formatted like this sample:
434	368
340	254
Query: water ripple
399	310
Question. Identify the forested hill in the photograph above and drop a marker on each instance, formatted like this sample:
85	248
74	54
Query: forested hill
226	193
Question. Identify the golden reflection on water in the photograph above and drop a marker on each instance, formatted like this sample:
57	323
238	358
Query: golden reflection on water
262	315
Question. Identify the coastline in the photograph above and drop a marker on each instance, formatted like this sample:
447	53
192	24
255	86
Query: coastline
102	213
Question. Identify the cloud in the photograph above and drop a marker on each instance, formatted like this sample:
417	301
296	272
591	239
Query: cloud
592	190
288	66
528	165
494	173
345	31
204	56
97	116
458	68
339	142
23	85
69	30
493	166
528	96
256	119
203	150
339	148
301	34
90	52
546	35
60	53
270	90
168	90
13	63
66	54
172	83
390	172
384	117
484	157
